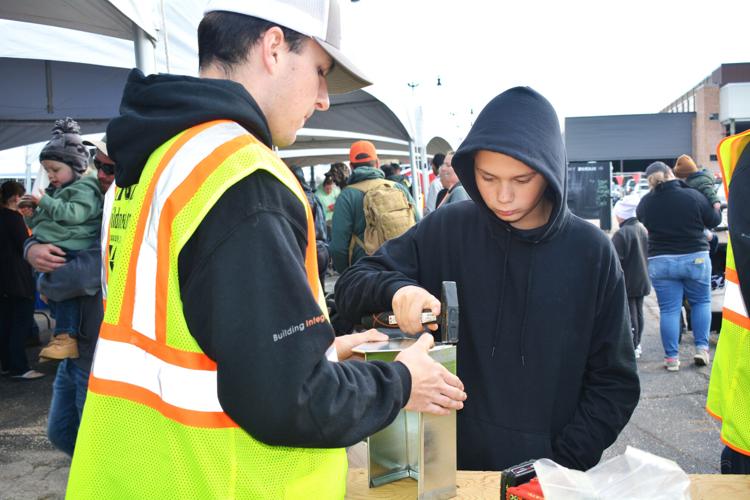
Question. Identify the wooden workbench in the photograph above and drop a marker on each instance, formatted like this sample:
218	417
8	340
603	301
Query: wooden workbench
481	485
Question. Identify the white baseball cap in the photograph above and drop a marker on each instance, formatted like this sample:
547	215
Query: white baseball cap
319	19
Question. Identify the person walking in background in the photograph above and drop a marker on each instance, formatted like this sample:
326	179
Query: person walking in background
340	173
435	186
675	216
452	191
319	222
631	244
68	215
393	173
729	386
16	287
359	228
326	195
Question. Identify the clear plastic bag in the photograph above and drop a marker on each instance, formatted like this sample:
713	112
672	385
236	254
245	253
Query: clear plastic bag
634	474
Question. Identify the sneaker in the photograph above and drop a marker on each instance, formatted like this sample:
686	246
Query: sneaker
638	351
701	357
60	347
29	375
672	364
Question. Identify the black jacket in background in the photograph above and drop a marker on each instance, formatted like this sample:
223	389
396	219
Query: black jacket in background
545	348
242	280
675	216
15	272
631	244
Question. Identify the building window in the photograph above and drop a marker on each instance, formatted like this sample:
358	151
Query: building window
713	116
712	158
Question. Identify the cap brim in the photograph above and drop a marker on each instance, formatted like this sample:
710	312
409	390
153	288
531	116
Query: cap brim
344	77
101	146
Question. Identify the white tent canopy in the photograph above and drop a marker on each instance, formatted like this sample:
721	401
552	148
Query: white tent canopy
51	71
106	17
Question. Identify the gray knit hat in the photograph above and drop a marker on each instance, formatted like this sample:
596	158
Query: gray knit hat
66	146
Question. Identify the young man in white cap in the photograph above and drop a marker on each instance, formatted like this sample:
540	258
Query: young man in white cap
631	243
214	374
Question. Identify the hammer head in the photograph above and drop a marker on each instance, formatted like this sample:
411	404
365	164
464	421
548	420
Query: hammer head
449	312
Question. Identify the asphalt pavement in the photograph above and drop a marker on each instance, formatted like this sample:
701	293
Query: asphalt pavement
670	420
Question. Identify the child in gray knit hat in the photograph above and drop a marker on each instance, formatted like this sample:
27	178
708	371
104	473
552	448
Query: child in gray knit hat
68	215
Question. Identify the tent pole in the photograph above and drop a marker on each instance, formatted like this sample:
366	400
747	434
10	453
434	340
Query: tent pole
416	178
144	51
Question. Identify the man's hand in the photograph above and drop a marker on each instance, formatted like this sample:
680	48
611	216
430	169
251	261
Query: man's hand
408	303
433	388
45	257
346	343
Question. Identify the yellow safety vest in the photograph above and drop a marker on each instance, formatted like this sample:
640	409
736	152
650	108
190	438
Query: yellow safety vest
153	426
729	387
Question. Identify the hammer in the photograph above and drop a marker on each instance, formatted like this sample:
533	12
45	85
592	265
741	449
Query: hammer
448	319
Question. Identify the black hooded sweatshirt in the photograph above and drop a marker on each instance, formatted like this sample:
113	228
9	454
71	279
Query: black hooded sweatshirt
242	280
545	350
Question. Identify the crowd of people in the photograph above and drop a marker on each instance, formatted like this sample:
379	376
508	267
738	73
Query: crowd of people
219	372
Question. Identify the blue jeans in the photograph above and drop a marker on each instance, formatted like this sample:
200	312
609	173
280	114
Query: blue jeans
673	276
67	316
68	397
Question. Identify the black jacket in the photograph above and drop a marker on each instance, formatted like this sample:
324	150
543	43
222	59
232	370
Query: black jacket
675	216
242	280
545	350
15	272
631	243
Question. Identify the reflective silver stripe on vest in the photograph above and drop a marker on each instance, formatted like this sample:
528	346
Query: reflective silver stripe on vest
180	167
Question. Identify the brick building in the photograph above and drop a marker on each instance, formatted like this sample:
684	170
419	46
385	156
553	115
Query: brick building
694	123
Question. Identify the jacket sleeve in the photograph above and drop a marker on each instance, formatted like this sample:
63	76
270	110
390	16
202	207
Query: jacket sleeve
248	304
342	229
739	222
369	285
711	217
611	387
83	205
621	245
17	232
708	188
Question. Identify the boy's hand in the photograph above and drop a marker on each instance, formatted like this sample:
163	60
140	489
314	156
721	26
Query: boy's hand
345	343
30	199
433	388
408	303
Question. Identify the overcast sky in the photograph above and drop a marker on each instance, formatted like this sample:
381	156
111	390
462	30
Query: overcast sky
587	57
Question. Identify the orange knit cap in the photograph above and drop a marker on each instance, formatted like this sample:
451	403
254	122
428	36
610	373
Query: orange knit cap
684	167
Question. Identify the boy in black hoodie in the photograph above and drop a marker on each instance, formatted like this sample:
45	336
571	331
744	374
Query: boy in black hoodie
545	349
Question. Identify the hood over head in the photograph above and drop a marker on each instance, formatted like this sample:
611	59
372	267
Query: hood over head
155	108
522	124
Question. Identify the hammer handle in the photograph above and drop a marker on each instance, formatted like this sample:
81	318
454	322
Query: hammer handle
388	319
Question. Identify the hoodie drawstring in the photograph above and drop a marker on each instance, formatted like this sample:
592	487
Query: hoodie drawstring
502	294
522	340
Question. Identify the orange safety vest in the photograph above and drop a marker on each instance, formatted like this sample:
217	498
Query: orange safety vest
729	386
153	424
